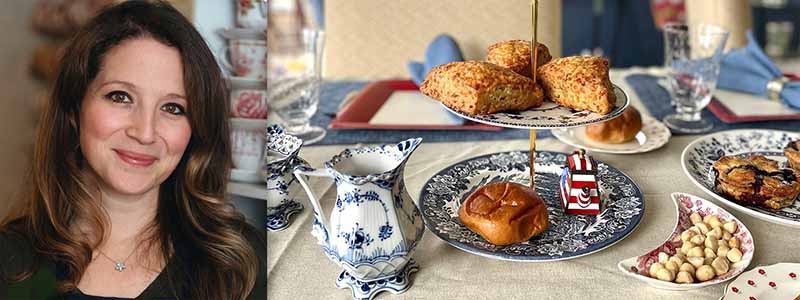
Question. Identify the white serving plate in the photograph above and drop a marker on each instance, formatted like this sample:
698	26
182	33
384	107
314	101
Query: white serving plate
653	135
700	155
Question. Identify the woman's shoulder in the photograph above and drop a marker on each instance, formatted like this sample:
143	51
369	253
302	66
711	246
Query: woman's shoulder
17	258
257	238
16	252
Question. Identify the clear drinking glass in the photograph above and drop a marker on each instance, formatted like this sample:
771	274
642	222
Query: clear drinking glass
294	83
692	58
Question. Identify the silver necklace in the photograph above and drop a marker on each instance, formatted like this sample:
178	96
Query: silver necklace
119	266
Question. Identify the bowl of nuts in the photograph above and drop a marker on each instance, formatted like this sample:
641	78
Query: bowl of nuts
708	246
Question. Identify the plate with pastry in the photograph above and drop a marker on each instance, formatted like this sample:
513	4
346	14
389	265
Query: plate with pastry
569	92
750	171
626	134
483	206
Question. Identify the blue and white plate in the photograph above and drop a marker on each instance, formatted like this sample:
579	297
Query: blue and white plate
700	155
567	236
549	115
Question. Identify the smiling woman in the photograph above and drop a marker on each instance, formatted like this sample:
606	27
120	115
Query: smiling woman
129	173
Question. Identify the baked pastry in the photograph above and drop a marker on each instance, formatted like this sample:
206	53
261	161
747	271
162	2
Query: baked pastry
516	55
617	130
792	152
476	87
579	82
504	213
756	180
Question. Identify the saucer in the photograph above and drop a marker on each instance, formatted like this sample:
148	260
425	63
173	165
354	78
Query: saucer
249	176
246	82
241	33
653	135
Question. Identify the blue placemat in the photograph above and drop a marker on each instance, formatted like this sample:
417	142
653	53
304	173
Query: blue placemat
334	92
657	101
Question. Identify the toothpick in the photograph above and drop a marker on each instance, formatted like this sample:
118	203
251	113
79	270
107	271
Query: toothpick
534	52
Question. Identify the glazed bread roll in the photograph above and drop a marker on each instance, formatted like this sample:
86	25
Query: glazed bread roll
504	213
579	82
477	87
516	55
617	130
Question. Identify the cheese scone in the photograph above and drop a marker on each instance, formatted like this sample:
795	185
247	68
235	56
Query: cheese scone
516	55
579	82
477	87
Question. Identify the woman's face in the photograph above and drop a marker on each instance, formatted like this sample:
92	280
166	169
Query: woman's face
133	124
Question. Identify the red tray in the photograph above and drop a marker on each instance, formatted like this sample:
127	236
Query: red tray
725	114
357	113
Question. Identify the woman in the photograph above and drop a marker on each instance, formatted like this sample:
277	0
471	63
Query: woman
129	173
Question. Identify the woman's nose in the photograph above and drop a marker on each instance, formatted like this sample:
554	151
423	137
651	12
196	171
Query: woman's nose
142	127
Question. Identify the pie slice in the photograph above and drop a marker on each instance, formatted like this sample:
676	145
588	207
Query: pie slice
756	180
579	82
792	152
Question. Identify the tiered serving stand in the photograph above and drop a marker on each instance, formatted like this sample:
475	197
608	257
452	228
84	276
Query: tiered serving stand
567	236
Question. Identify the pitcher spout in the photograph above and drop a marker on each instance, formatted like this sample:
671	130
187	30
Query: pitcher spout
407	147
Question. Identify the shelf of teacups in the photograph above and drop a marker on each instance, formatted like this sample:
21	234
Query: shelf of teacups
249	190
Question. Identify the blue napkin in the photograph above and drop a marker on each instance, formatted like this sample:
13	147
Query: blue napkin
443	49
748	70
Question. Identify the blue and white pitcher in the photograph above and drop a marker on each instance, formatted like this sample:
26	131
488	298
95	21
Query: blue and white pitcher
374	224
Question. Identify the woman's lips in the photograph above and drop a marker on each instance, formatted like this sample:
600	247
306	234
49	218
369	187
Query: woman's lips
135	159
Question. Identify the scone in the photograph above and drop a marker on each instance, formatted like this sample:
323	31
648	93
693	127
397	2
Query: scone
504	213
617	130
756	180
579	82
516	55
476	88
792	152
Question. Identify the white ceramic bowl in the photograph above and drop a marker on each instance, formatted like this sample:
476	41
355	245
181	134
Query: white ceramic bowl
685	204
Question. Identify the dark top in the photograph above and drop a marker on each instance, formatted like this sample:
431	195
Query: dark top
16	255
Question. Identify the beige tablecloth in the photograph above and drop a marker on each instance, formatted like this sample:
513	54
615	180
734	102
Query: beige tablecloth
297	268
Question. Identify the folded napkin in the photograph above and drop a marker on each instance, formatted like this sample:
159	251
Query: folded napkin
443	49
749	70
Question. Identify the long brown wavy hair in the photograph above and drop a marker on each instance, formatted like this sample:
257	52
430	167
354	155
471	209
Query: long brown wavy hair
194	226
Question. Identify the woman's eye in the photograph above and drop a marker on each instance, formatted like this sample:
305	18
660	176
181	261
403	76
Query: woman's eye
119	97
174	108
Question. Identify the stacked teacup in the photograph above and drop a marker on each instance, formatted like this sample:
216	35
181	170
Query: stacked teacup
244	58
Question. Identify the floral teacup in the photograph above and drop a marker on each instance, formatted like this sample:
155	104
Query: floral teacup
281	157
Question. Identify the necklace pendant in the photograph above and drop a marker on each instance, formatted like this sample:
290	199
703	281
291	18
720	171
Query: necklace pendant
119	267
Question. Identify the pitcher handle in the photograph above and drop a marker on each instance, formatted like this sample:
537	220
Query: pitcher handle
320	219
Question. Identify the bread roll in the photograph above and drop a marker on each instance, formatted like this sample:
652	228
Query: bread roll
504	213
617	130
579	82
476	88
516	55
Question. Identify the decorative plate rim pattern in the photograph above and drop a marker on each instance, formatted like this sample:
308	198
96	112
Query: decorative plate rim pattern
731	284
577	236
650	125
564	119
698	168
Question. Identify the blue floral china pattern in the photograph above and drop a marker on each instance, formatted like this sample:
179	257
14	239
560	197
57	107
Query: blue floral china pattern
567	236
280	159
374	225
549	115
700	155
